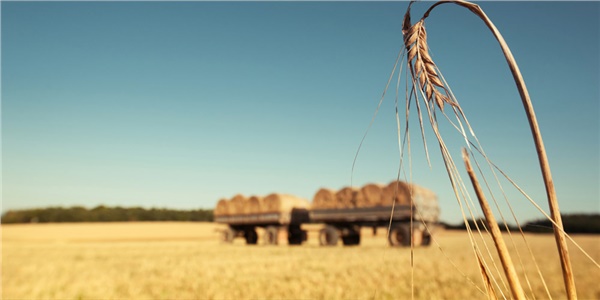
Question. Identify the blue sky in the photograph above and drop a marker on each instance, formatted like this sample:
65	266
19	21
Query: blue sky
176	105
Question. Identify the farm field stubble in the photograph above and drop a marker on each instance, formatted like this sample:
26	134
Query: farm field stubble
172	260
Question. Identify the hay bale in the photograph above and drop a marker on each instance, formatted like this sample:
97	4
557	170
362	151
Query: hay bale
282	203
222	208
253	205
236	204
369	195
346	197
395	191
324	198
426	202
423	197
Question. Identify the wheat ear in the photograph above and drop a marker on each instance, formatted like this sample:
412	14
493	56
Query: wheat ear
421	65
416	46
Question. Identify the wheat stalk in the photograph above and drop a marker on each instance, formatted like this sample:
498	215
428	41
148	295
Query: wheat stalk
509	269
486	278
424	74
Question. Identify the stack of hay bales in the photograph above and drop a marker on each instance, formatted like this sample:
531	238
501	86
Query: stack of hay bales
240	205
371	195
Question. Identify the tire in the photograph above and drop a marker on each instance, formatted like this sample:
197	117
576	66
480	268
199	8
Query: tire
351	240
329	236
296	235
271	236
351	237
400	235
426	239
427	234
251	236
228	235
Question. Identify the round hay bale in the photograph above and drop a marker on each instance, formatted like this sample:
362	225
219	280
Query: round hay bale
253	205
222	207
423	197
346	197
236	204
282	203
324	198
369	195
395	191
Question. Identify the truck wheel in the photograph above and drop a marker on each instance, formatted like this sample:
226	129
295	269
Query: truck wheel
328	236
400	235
271	236
251	237
228	235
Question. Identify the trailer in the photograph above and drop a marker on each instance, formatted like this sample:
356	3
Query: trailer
412	216
244	225
344	224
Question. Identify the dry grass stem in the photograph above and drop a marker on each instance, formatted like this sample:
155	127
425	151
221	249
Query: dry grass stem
509	270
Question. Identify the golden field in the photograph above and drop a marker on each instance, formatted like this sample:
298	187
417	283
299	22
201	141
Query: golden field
187	261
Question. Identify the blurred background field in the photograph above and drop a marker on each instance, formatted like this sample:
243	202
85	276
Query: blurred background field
186	260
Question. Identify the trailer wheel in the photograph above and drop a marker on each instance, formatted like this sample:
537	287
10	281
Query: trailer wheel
400	235
271	236
426	239
351	236
329	236
251	236
351	240
296	235
228	235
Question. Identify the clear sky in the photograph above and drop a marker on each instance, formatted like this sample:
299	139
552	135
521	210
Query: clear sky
176	105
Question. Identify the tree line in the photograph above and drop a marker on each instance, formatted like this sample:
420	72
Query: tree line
104	214
572	223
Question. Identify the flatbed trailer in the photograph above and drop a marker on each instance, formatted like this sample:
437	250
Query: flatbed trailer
245	226
344	223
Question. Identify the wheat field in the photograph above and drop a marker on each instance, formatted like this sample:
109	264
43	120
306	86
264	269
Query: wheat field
172	260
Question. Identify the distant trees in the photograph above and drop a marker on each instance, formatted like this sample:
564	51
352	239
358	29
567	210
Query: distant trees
103	214
480	222
572	223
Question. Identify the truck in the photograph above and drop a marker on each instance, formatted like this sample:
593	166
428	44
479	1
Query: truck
338	222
